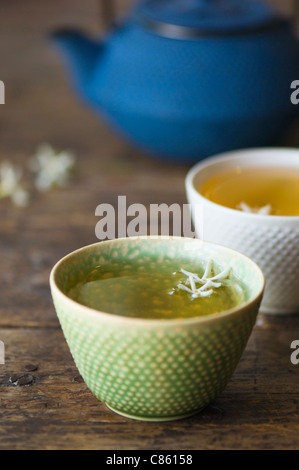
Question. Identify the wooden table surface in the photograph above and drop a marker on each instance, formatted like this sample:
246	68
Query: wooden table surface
259	408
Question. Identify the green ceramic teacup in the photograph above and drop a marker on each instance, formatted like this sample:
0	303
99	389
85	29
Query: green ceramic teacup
155	369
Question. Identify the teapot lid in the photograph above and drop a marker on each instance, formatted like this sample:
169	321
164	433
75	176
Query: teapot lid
200	17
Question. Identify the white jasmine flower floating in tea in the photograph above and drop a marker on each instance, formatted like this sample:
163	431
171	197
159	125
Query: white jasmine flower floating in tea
52	168
265	210
10	184
204	286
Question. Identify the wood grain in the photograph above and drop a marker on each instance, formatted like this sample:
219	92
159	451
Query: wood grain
258	409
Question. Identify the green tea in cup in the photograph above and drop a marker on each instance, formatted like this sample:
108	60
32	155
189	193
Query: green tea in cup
157	290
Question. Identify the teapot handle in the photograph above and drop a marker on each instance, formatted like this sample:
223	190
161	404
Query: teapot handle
108	13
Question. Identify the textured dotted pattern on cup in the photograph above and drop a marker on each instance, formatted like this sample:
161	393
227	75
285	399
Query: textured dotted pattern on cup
156	373
274	248
155	370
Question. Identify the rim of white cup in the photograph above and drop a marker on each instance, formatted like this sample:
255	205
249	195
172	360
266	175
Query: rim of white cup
237	155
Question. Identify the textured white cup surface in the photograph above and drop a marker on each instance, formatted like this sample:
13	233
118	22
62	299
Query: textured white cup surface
271	241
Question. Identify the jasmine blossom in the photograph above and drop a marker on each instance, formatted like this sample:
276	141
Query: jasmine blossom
10	186
207	283
265	210
52	168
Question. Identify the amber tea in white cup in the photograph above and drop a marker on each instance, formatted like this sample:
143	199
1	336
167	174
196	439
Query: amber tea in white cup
268	190
249	202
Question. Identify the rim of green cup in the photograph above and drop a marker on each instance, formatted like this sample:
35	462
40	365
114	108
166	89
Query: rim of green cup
123	319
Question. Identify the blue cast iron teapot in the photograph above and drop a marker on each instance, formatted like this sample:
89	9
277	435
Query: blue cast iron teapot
184	79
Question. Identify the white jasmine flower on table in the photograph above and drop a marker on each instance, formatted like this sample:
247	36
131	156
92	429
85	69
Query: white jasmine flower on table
52	168
10	186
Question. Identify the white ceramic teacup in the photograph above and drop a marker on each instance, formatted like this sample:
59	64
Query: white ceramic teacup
271	241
